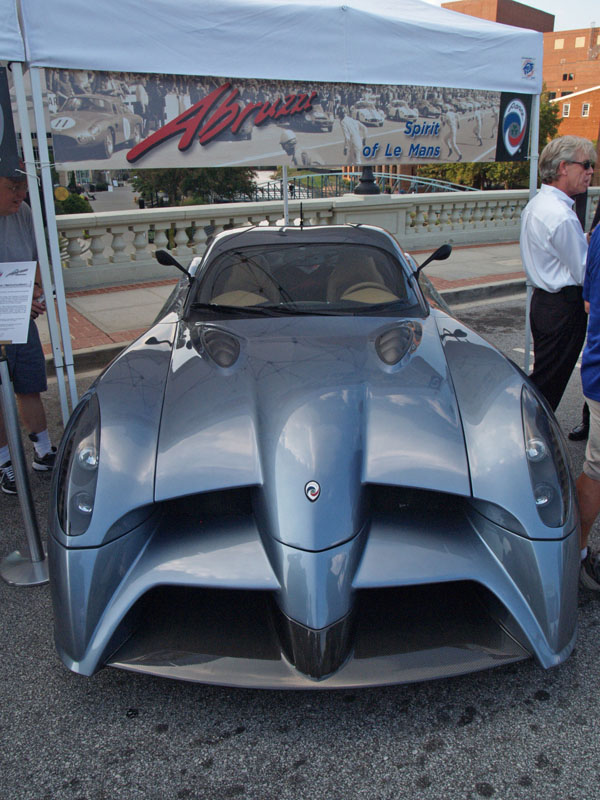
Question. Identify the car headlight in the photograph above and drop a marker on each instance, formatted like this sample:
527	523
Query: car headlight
547	462
95	130
78	468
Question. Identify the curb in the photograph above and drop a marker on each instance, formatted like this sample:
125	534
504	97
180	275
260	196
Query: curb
484	291
89	358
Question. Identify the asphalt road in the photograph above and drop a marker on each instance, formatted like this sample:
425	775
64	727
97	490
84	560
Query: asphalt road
514	732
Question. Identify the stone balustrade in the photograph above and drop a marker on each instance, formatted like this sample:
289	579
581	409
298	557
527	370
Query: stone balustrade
117	246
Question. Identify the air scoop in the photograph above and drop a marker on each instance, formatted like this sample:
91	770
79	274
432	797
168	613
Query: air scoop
393	344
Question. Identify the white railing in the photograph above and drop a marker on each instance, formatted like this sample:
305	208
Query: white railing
117	246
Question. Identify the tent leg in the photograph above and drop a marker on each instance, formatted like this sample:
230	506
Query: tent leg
16	569
527	330
61	302
38	225
533	169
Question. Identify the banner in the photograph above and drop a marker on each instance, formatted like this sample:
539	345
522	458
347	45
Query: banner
9	156
121	120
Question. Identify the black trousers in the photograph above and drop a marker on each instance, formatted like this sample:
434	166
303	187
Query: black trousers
558	324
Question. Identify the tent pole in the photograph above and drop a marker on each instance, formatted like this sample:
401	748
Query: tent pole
40	123
534	144
38	226
284	183
533	170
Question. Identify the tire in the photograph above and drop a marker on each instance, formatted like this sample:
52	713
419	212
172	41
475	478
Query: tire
108	144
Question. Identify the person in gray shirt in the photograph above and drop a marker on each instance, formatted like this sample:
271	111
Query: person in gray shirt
26	362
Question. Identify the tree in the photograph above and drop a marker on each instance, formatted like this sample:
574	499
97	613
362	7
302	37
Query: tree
497	174
201	185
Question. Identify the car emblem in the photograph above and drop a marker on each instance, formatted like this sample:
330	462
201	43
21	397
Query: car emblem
312	490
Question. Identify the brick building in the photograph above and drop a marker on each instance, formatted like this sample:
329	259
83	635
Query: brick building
571	68
579	113
508	12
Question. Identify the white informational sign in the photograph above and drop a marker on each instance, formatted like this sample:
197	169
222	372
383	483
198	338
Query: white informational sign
16	293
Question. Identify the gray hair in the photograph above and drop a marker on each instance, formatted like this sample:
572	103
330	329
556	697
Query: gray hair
564	148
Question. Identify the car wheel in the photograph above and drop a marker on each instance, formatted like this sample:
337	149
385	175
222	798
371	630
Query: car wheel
108	144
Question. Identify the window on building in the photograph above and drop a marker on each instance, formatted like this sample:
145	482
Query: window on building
580	41
564	76
559	44
585	110
566	109
570	76
564	94
567	76
551	95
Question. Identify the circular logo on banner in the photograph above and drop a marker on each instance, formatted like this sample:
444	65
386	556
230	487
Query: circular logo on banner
514	125
312	490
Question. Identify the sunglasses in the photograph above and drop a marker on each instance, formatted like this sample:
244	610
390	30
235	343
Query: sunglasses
584	164
16	187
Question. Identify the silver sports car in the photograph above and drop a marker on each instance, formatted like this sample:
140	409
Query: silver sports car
304	475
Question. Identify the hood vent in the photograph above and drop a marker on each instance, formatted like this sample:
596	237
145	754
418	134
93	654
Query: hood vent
396	342
223	348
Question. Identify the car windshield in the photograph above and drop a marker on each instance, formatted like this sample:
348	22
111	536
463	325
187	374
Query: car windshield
85	104
339	278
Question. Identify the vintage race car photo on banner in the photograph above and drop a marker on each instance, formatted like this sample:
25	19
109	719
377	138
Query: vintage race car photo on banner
88	123
308	475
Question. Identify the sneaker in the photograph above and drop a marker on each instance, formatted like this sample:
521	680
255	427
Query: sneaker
589	574
7	481
44	463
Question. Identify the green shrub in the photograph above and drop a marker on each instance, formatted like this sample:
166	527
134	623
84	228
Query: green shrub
74	204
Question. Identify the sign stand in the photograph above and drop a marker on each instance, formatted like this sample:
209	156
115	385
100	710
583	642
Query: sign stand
16	569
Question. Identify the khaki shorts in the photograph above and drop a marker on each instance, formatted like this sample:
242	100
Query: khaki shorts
591	465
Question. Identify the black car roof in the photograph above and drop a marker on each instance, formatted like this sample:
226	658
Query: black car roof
294	234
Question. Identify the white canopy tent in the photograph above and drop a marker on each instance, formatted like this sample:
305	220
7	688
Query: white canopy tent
361	41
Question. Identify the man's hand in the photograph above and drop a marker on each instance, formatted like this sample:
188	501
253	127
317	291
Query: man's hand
38	304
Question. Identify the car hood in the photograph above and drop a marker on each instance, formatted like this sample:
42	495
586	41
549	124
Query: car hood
308	403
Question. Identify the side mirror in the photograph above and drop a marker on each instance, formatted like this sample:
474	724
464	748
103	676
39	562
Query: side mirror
167	260
441	254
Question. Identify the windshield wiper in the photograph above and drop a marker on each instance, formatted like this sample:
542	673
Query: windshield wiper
242	311
294	311
268	310
378	308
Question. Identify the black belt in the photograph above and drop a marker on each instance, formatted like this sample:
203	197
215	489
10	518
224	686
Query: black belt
568	292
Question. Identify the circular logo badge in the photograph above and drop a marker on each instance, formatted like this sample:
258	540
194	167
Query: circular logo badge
312	490
514	126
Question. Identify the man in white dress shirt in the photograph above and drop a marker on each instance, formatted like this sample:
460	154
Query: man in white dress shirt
553	251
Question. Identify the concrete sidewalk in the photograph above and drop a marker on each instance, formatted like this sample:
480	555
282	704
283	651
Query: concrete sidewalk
103	321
